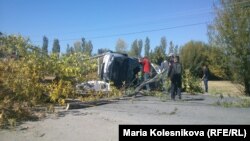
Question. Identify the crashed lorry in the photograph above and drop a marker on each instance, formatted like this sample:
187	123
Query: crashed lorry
118	68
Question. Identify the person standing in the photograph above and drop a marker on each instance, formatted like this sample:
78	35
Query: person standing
171	59
139	74
146	70
164	65
205	77
174	73
164	71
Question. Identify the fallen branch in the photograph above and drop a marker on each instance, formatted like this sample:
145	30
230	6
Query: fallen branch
156	78
76	104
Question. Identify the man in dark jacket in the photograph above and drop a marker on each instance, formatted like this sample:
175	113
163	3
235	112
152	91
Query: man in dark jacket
174	74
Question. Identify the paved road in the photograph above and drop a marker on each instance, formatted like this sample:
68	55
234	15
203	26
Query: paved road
101	122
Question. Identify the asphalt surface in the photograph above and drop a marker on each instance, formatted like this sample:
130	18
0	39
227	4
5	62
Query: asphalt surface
101	122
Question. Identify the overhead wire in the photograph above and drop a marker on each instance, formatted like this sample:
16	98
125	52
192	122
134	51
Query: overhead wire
206	11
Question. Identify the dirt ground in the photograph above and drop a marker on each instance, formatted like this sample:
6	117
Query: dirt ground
225	88
101	122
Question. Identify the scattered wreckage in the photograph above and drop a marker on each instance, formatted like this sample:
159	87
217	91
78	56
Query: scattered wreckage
121	70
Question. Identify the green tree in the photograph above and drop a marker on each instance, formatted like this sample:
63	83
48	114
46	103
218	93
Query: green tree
13	44
69	50
78	47
192	57
147	47
136	48
56	47
89	48
21	80
45	45
176	50
216	60
163	45
140	45
231	31
159	53
83	45
194	54
102	50
121	46
171	47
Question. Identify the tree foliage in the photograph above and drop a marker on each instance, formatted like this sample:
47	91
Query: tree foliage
190	83
102	50
136	48
195	54
217	63
121	46
45	45
192	56
69	50
78	47
176	50
163	45
56	47
159	54
13	45
140	45
23	79
83	46
231	31
147	47
88	48
171	47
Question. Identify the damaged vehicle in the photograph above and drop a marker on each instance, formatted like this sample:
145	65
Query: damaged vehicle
118	68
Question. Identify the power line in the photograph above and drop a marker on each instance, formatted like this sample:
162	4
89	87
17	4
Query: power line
137	32
154	30
159	21
193	12
147	31
207	10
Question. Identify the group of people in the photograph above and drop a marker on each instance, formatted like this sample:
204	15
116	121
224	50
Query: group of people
171	68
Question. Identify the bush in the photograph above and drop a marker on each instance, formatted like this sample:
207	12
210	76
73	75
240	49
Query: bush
22	78
191	84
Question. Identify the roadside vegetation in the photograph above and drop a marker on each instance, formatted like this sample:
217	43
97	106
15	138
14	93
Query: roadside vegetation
30	76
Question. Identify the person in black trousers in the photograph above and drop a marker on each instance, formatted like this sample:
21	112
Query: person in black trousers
174	73
205	77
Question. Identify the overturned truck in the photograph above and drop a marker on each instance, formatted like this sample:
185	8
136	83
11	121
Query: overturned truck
120	69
